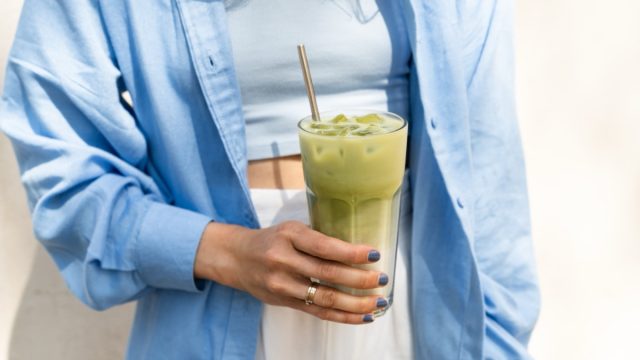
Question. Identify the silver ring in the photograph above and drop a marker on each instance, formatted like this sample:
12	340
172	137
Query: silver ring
311	293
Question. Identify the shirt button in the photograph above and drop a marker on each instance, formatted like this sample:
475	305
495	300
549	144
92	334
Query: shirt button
212	63
460	204
433	123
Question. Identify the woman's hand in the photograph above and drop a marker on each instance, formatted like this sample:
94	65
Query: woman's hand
275	264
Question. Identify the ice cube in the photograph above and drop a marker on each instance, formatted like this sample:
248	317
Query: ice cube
371	129
319	125
361	132
375	128
369	119
339	119
328	132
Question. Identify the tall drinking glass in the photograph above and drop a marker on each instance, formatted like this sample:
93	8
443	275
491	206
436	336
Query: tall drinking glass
354	162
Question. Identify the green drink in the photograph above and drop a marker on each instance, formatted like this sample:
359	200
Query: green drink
353	168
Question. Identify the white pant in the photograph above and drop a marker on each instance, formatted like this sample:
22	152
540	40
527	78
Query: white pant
290	334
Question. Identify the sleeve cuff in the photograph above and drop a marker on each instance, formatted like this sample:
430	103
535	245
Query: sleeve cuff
166	247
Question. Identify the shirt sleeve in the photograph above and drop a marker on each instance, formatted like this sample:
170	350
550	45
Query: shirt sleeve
111	231
502	233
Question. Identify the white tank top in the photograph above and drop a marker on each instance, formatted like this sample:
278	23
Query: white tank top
358	52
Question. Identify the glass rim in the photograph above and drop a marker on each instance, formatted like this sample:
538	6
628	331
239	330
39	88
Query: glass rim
347	111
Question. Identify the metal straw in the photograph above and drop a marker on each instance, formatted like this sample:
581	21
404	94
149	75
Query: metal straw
304	63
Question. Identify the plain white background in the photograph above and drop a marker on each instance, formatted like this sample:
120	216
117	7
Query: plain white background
579	105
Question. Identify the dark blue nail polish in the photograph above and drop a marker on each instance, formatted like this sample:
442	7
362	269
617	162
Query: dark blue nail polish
367	318
381	303
383	279
374	255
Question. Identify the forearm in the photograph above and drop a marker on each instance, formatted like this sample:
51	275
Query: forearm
110	229
113	242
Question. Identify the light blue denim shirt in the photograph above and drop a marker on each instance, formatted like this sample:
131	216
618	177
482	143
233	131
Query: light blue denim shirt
120	196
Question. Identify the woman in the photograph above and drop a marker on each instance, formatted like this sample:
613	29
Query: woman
152	201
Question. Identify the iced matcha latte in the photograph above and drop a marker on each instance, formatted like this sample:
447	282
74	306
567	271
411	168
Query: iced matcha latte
353	169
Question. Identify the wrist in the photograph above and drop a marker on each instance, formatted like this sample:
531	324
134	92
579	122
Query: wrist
215	257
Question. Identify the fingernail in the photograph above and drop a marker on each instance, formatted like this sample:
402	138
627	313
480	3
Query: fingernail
381	303
383	279
368	318
374	255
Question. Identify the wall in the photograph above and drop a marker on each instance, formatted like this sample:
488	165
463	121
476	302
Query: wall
579	104
579	101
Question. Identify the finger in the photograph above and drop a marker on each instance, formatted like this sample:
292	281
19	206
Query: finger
337	273
286	286
329	297
317	244
328	314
